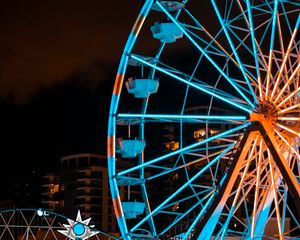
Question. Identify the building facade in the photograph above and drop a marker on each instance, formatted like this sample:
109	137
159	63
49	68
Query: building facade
82	183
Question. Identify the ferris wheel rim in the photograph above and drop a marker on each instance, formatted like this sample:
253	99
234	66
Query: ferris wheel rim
113	116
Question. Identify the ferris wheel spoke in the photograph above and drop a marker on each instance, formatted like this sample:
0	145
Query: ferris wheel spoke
285	170
222	49
288	144
290	80
274	190
289	109
200	215
167	69
237	194
254	46
181	118
204	192
205	228
255	43
233	48
195	152
194	85
283	54
185	165
290	118
264	200
291	211
283	65
233	84
185	214
213	39
210	48
274	16
185	185
292	94
247	66
251	183
297	133
256	195
264	214
177	220
183	150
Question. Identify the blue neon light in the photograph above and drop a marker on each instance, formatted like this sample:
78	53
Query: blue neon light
243	126
197	86
172	116
206	55
233	48
78	229
158	208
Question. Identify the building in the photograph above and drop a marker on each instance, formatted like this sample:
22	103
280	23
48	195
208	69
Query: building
82	183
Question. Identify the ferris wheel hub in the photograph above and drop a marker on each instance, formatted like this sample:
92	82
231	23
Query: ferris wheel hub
268	109
266	112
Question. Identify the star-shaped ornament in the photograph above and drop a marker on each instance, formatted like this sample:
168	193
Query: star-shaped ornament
78	229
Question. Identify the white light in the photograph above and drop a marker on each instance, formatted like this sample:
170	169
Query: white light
40	213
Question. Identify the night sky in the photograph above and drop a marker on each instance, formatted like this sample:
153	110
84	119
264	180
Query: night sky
45	42
58	60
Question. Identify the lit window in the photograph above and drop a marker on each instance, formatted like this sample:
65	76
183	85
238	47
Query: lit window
199	133
172	145
175	176
214	131
175	207
54	188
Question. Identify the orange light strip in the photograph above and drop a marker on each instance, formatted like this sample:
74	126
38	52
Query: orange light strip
260	88
284	60
256	190
287	83
269	74
289	108
275	197
287	143
288	129
245	171
289	96
237	194
289	119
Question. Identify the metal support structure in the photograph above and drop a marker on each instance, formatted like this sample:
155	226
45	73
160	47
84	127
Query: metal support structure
204	229
285	170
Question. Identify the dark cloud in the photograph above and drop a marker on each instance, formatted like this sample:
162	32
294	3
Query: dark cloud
43	42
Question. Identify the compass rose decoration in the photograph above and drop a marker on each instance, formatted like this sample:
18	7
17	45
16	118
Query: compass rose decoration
78	229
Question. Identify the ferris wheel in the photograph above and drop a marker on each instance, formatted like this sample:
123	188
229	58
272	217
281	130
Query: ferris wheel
41	224
203	135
